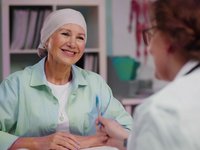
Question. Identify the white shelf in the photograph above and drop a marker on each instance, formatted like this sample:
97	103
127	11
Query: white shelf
93	11
34	51
55	2
130	103
27	51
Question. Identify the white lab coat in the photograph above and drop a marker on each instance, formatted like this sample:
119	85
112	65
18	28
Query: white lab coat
170	119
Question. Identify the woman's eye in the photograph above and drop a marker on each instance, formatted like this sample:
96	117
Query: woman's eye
65	33
81	38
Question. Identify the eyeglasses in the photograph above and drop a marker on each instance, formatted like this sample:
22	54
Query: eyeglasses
148	34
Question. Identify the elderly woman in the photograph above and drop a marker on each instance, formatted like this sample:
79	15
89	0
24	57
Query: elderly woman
54	104
169	120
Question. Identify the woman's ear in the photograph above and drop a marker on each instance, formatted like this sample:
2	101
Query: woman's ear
46	44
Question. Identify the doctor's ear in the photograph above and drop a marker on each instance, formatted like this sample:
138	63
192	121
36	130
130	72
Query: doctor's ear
171	48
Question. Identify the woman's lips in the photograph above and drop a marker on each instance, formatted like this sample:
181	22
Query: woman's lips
69	53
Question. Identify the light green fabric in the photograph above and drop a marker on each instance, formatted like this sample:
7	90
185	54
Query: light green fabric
28	107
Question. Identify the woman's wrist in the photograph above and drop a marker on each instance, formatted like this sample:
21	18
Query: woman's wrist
22	142
124	135
125	142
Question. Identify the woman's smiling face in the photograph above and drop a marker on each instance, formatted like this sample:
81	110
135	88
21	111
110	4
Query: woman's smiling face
67	44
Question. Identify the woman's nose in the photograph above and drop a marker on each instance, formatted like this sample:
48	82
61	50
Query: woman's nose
71	42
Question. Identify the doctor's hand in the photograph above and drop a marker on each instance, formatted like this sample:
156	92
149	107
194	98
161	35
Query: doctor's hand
115	143
112	128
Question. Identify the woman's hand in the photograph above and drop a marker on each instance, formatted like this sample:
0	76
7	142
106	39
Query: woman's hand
60	140
99	139
112	128
56	141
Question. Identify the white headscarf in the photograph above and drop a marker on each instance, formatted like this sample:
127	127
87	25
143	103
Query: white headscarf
56	20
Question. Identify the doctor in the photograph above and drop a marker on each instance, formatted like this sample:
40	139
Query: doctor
168	120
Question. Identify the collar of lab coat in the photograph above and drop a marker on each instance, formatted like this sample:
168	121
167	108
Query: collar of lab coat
186	67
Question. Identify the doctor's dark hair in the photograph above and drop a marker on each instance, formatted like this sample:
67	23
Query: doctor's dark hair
180	21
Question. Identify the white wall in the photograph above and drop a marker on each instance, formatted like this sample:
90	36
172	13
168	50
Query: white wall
0	45
124	42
